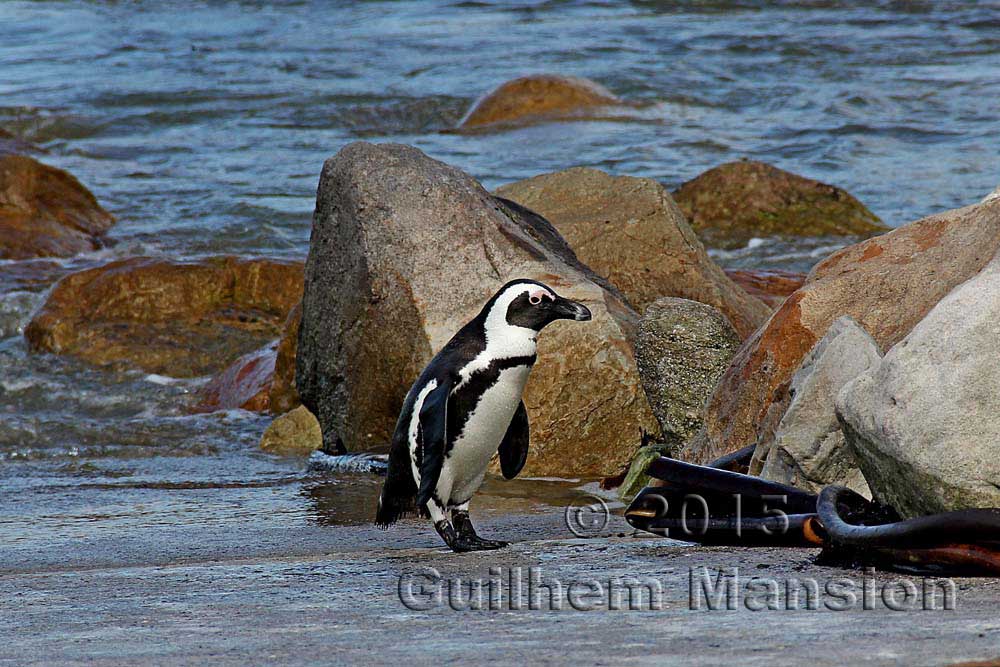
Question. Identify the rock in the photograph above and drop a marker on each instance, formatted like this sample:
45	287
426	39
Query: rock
925	422
261	381
991	196
808	450
181	319
294	433
887	284
630	231
537	97
404	251
682	348
45	212
283	395
737	201
636	478
772	286
246	384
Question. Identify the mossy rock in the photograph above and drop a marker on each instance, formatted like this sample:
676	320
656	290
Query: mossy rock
737	201
636	478
294	433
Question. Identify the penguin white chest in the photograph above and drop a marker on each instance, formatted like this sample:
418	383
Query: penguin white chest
486	425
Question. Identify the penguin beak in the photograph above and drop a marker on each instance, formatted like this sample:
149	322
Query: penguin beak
564	309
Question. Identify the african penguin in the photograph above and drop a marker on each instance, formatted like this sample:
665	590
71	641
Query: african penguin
465	406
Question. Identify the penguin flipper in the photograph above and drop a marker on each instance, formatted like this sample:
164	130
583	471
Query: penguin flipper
433	426
514	446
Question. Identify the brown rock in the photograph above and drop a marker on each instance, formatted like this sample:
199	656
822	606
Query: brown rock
45	212
887	284
405	250
245	384
181	319
630	231
735	202
261	381
294	433
283	395
772	286
537	97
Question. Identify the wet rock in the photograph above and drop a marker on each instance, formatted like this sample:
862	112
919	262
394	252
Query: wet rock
808	450
772	286
535	98
630	231
46	212
925	422
404	251
887	284
294	433
682	348
636	478
246	384
181	319
283	395
261	381
737	201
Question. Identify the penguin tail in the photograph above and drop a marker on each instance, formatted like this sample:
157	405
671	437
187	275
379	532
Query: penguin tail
391	509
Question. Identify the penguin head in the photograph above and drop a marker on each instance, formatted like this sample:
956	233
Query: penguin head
533	305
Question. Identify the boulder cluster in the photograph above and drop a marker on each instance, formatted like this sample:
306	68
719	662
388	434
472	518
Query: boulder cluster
878	370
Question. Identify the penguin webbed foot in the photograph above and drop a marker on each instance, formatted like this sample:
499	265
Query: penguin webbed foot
465	539
466	531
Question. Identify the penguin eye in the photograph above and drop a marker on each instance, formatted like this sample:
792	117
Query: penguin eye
534	299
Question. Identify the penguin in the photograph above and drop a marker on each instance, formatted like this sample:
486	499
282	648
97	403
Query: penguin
465	407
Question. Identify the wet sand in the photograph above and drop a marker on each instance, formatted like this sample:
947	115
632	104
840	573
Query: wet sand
238	592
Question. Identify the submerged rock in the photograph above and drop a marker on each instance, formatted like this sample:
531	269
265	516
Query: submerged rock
261	381
682	348
181	319
11	144
808	450
772	286
46	212
405	250
535	98
737	201
246	384
925	422
295	433
630	231
887	284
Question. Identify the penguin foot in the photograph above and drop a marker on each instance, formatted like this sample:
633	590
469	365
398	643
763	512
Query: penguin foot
466	544
466	540
490	544
466	531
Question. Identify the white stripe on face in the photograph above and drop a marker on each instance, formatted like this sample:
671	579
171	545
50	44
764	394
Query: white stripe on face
504	340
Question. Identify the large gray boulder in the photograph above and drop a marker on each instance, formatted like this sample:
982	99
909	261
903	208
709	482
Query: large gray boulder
925	422
406	249
682	348
808	449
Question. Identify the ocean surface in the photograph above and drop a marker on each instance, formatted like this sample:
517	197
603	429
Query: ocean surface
203	128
